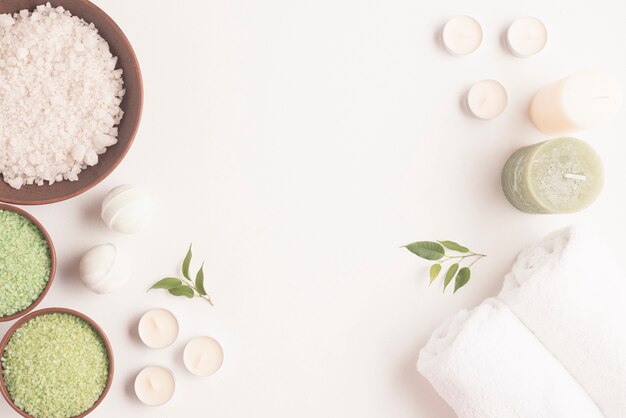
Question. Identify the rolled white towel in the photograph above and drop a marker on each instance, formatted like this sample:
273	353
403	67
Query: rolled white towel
569	291
486	364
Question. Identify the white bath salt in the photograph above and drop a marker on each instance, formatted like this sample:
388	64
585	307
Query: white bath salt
60	96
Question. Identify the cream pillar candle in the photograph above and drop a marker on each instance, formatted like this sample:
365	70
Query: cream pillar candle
155	385
486	99
526	36
462	35
203	356
158	328
580	101
563	175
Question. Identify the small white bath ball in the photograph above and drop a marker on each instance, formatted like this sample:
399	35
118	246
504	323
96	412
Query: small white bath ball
104	268
127	209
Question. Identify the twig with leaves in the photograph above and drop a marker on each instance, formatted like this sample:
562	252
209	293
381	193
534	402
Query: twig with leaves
185	286
438	251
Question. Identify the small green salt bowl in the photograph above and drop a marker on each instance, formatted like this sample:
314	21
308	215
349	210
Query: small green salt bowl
53	261
109	350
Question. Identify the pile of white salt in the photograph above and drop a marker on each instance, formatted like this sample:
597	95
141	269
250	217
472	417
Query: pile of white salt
60	96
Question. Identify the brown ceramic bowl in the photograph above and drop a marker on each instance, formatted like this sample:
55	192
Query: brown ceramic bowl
131	105
22	321
53	259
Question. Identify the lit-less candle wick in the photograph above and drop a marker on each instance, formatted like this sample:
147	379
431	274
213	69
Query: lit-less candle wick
155	323
575	176
201	359
151	384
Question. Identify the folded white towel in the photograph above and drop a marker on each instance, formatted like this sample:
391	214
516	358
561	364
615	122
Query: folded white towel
487	364
569	291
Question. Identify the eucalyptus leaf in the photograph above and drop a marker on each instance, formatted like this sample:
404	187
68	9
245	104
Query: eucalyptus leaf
462	278
450	275
167	283
451	245
428	250
435	269
182	291
200	281
186	263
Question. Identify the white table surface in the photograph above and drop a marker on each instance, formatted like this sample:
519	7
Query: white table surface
298	144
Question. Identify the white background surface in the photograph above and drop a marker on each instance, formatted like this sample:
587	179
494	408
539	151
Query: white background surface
298	144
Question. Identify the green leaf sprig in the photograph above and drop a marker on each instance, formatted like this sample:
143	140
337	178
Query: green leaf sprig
439	251
185	286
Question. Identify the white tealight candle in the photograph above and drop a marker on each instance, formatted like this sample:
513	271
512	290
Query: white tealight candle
158	328
526	36
203	356
462	35
580	101
486	99
155	385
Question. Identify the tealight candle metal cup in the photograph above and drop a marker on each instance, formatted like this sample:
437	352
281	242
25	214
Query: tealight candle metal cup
158	328
155	385
91	322
203	356
53	261
526	36
486	99
461	35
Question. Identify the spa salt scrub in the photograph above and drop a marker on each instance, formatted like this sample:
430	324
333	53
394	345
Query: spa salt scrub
55	366
60	96
25	262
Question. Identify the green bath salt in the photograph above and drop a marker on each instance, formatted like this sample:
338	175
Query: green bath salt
55	366
25	262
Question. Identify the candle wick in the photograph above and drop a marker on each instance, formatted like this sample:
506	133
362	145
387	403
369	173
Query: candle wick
151	383
155	323
200	360
575	176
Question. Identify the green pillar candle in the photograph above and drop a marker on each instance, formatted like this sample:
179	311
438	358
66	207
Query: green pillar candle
562	175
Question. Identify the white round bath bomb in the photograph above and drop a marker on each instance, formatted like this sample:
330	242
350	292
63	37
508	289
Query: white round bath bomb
104	269
127	209
203	356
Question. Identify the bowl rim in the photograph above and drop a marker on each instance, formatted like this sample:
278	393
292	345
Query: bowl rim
53	261
91	322
115	27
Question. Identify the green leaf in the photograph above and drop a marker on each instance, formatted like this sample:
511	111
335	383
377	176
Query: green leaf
435	269
450	275
167	283
182	291
462	278
451	245
200	281
186	263
427	249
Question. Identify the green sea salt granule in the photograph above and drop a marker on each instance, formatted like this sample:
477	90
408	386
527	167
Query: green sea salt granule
25	262
55	366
